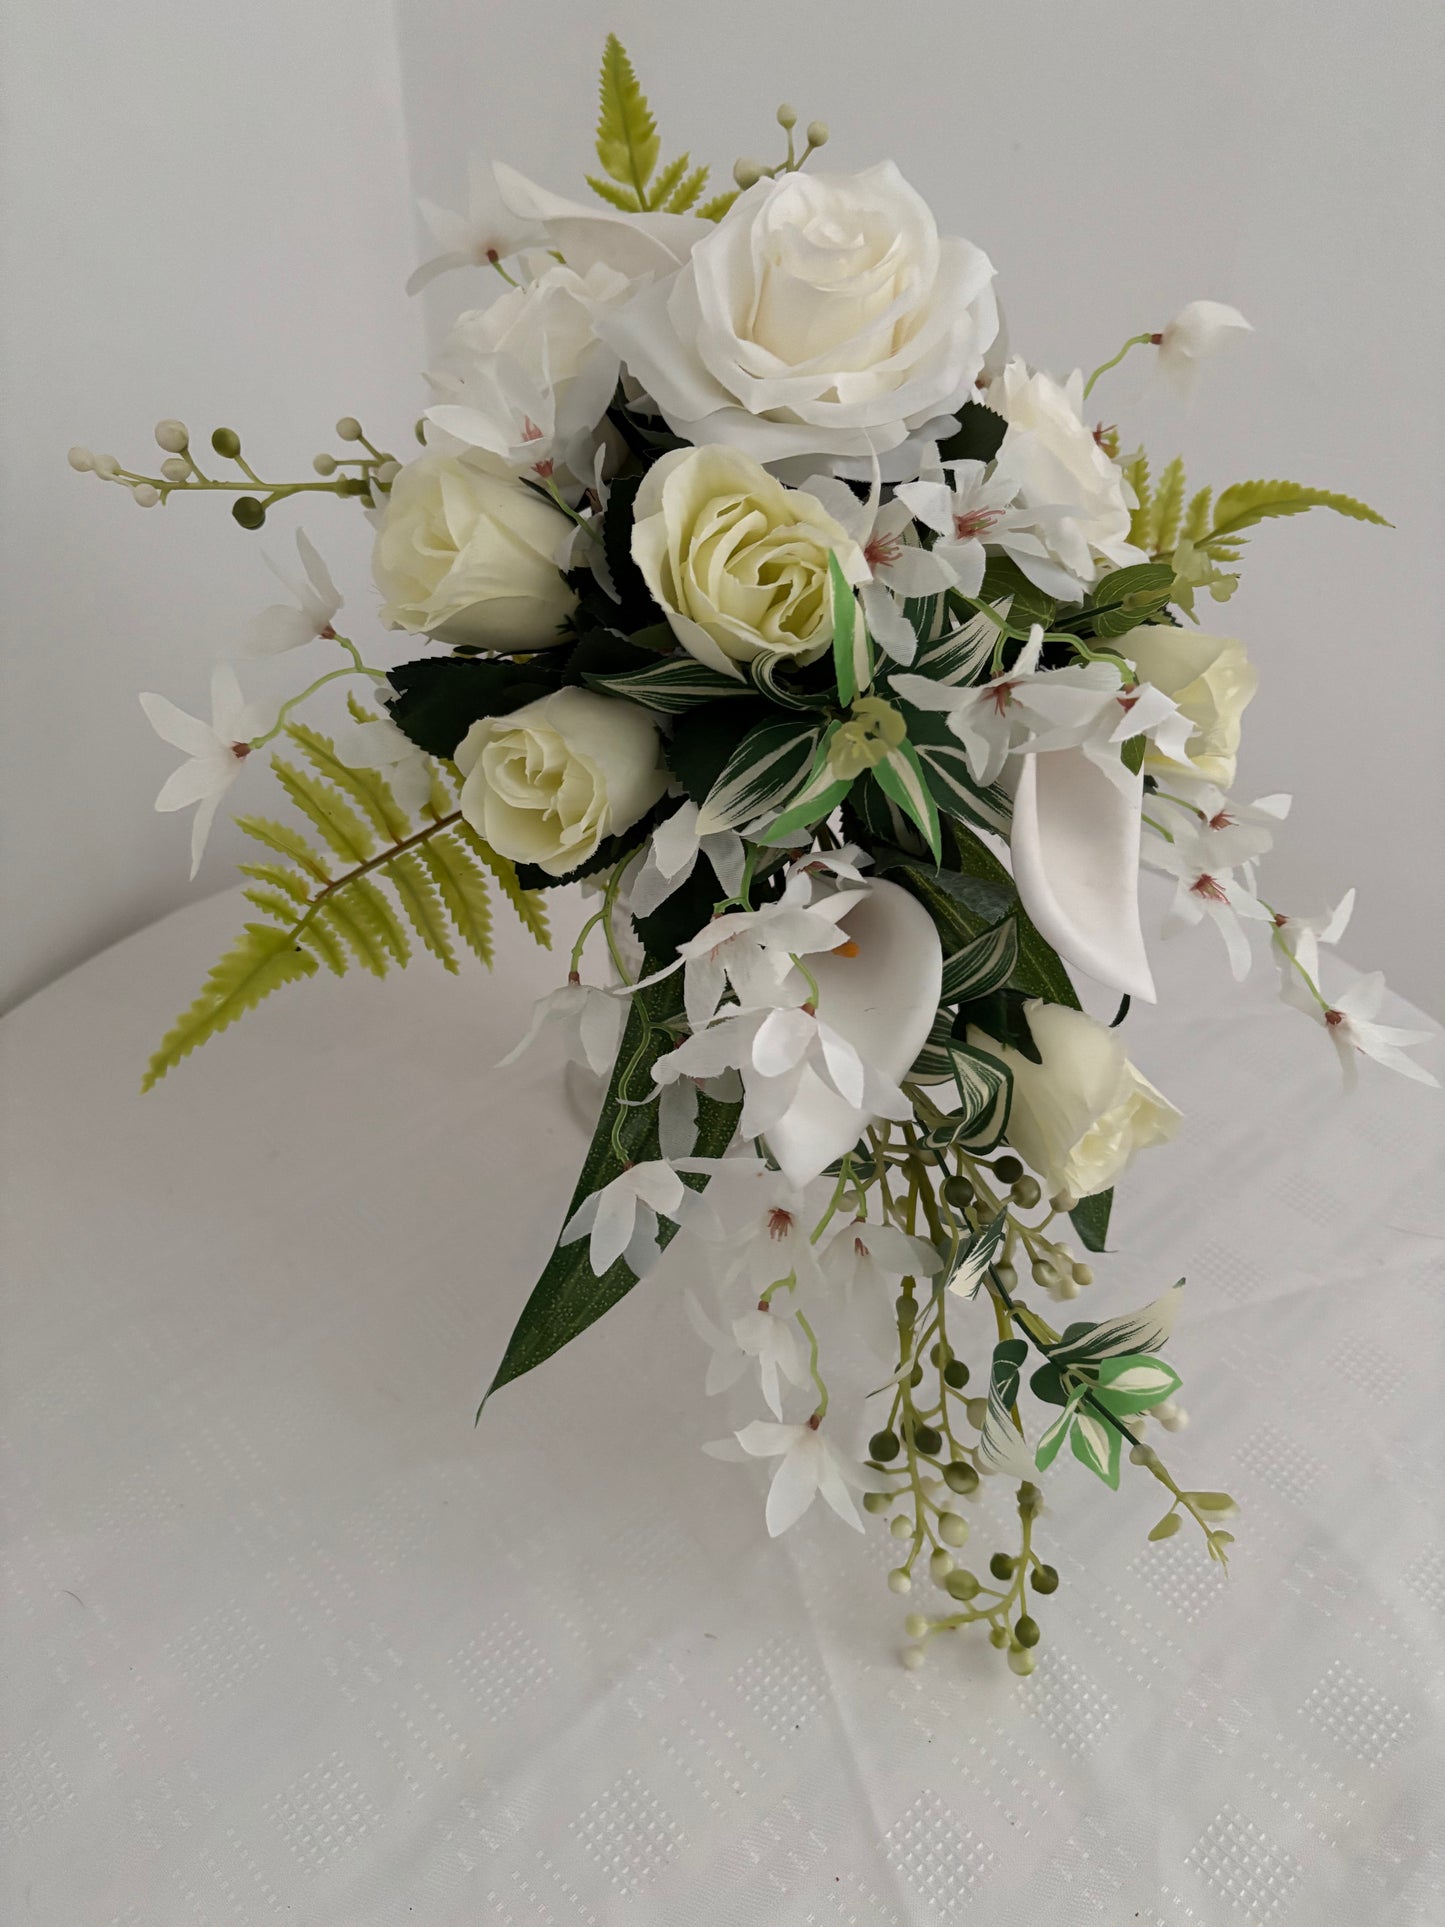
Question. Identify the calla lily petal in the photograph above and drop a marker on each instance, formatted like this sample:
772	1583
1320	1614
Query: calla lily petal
1075	846
881	1001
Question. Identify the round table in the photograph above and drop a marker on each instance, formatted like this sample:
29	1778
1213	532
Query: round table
287	1639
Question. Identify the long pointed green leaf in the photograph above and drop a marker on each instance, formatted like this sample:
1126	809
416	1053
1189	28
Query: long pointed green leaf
900	775
852	655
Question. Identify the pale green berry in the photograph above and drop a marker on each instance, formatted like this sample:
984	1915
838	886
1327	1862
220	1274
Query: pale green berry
173	436
1083	1274
901	1526
176	468
817	133
1026	1193
787	115
81	459
899	1580
144	496
747	173
913	1657
953	1530
876	1502
325	464
940	1565
1021	1661
348	429
915	1625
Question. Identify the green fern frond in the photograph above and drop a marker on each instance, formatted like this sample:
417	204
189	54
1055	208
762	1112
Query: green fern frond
367	788
1247	503
274	877
1136	474
285	841
417	894
370	907
627	143
463	889
1196	521
685	194
528	904
272	903
338	916
260	961
715	209
320	935
1167	509
331	814
661	188
619	197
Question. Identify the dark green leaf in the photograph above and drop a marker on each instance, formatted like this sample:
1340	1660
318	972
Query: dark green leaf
567	1298
984	964
440	697
978	437
702	741
1090	1218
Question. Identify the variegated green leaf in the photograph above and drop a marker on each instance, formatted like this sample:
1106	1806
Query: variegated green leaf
945	769
1052	1439
985	1091
767	673
1001	1446
982	1252
958	657
852	654
822	791
768	766
983	965
934	1062
900	776
1132	1382
1096	1444
1146	1330
679	684
1130	596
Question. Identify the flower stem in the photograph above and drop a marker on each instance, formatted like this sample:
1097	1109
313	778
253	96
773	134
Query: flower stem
1134	341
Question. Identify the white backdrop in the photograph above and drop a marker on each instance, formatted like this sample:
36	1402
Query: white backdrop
208	215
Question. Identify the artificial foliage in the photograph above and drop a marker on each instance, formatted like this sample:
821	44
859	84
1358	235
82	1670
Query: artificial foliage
744	578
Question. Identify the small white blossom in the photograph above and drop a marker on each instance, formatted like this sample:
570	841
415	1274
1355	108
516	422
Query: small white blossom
809	1464
378	744
977	508
766	1239
672	855
753	950
620	1220
862	1263
1202	862
591	1020
899	567
1196	332
315	602
770	1340
1349	1023
488	232
214	751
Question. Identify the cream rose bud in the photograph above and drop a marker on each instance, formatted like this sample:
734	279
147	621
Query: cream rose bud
1213	682
822	316
468	554
546	784
738	563
1080	1115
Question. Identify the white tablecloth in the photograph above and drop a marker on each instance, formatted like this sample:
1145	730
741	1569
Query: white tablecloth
287	1640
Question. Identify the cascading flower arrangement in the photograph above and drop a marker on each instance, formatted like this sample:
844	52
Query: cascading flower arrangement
778	601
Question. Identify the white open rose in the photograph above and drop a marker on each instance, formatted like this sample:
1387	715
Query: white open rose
1212	680
738	563
823	316
527	379
1051	463
467	553
547	783
1080	1115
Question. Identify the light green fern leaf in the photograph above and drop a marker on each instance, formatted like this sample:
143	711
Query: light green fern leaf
1196	521
260	961
1136	474
619	197
661	189
715	209
463	889
416	892
1247	503
627	144
1167	509
285	841
684	195
275	878
528	904
332	815
366	788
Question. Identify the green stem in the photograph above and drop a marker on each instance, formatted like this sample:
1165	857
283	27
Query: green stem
813	1372
332	675
1134	341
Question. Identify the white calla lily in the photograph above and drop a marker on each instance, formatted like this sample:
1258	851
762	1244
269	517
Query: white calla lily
879	992
1075	849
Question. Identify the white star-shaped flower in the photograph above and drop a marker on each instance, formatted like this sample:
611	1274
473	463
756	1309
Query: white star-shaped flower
1198	331
672	855
311	612
591	1020
862	1263
1202	863
1349	1023
620	1220
977	508
900	567
487	233
378	744
214	751
809	1464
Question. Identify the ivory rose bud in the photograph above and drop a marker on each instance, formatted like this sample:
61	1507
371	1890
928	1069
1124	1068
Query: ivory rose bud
822	316
1055	466
468	554
1213	682
738	563
547	783
1080	1115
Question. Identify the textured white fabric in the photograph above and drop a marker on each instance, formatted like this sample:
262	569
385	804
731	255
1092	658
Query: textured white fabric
287	1640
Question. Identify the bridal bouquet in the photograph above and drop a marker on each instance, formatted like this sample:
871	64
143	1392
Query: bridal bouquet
754	583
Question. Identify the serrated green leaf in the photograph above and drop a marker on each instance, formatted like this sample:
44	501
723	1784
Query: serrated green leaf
622	198
328	810
366	788
1197	518
1247	503
1168	507
417	892
663	185
1136	474
684	196
261	960
286	841
715	209
983	964
463	889
627	143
